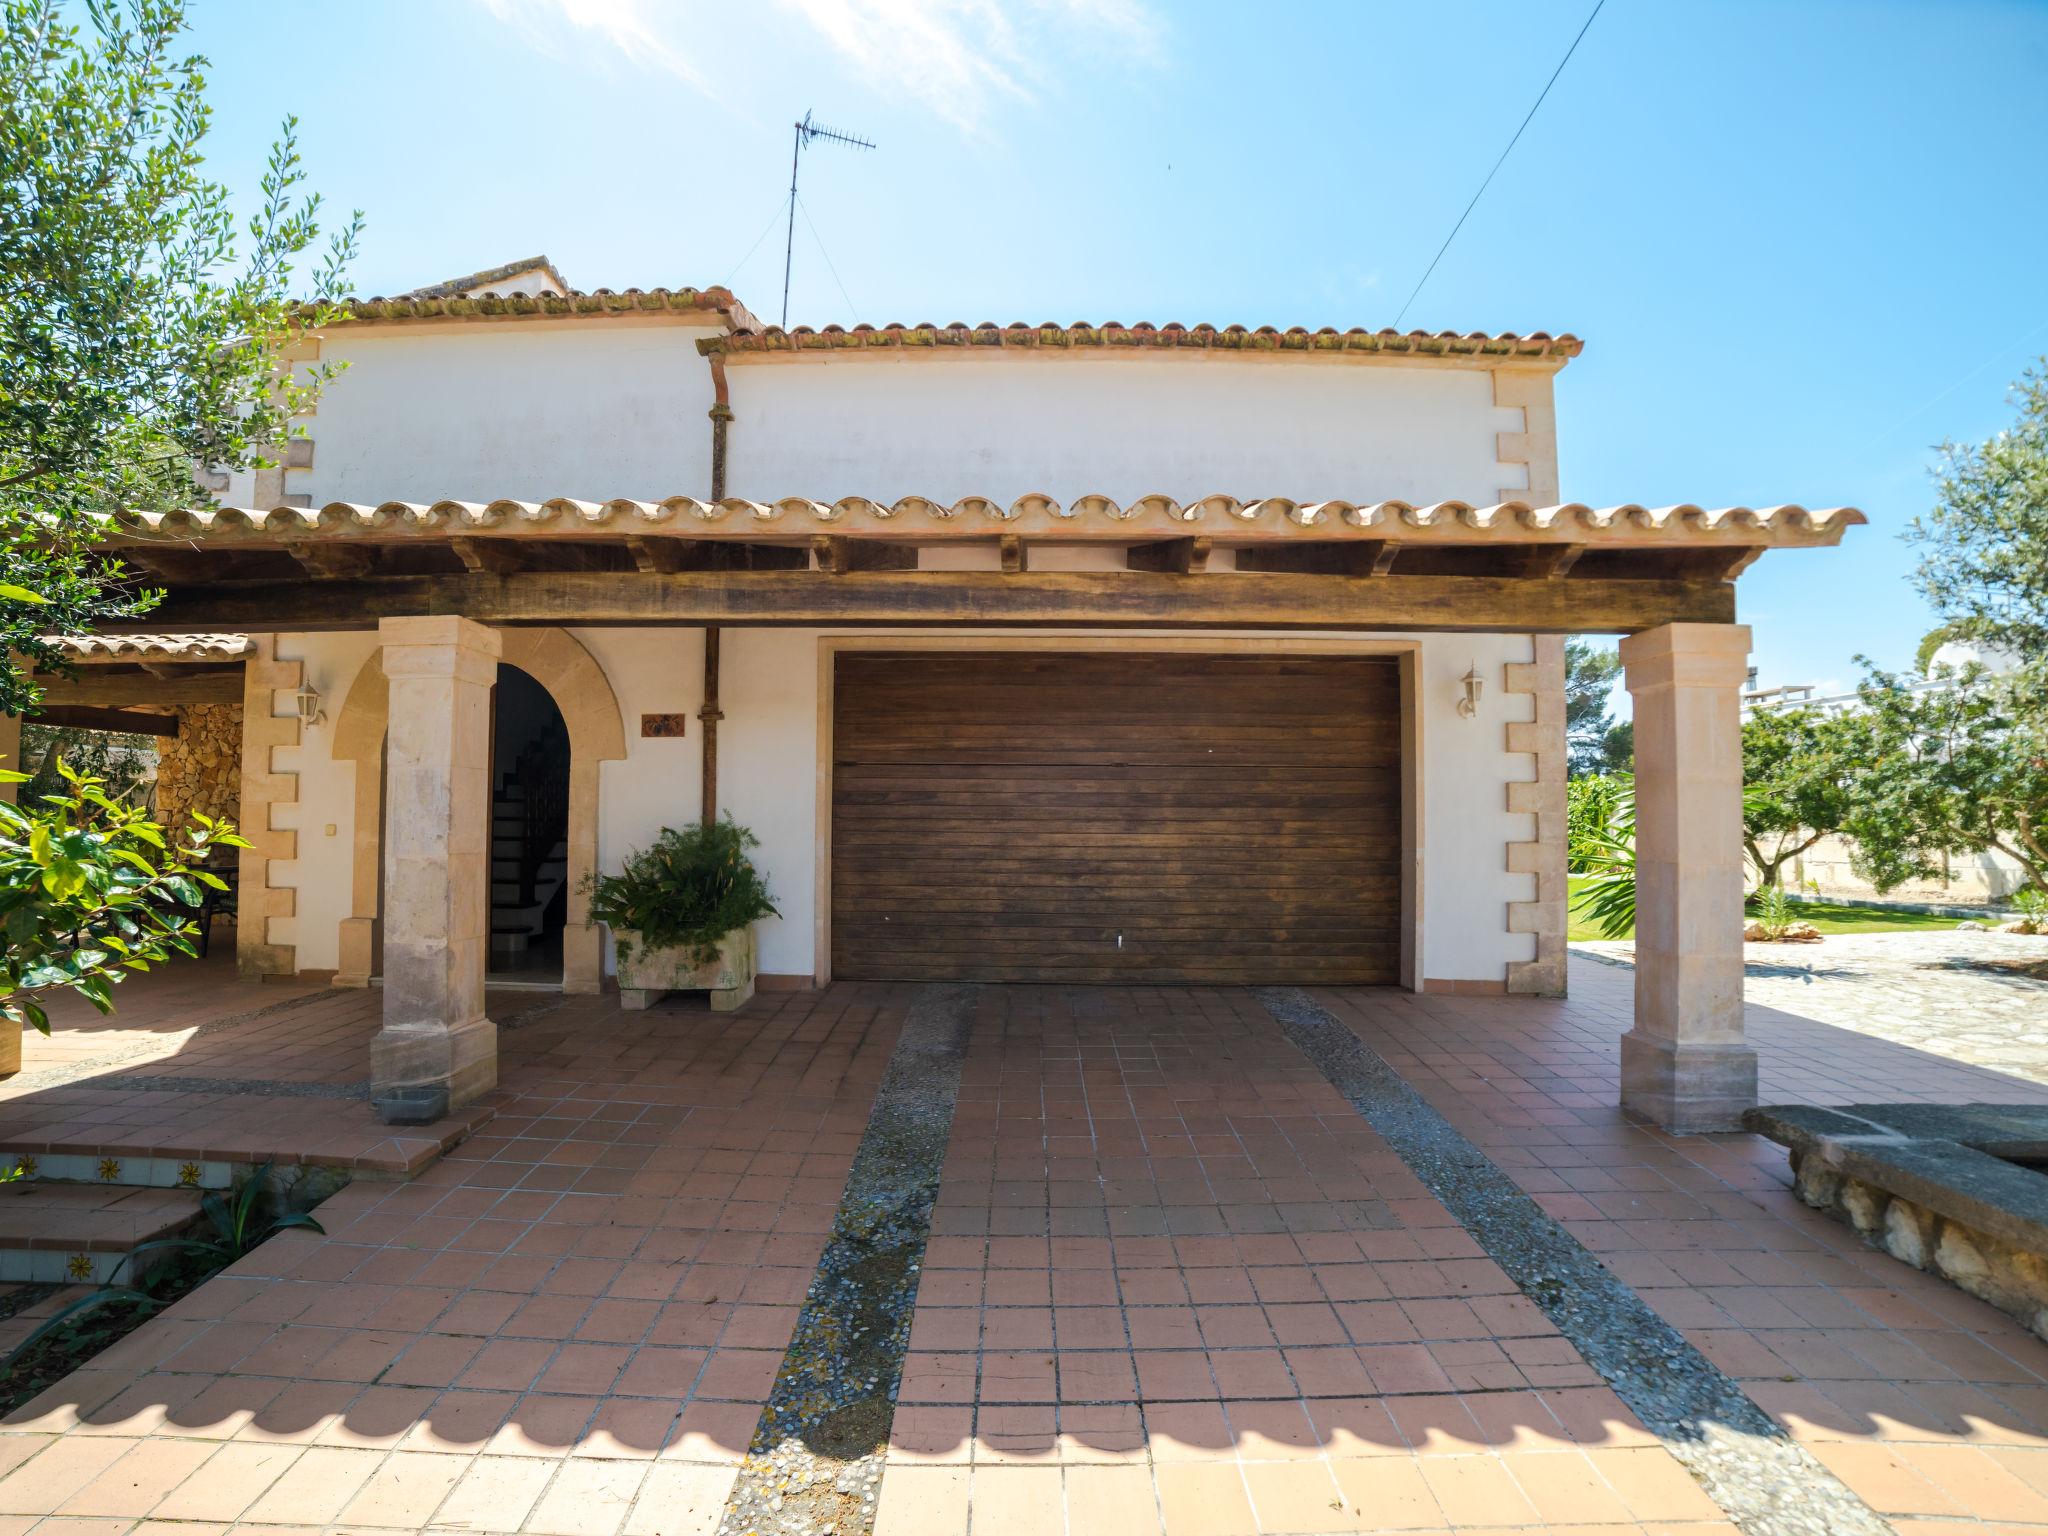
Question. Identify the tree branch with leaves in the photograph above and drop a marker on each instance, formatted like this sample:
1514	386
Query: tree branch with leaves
141	338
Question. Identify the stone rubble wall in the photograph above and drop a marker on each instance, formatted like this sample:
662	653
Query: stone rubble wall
200	769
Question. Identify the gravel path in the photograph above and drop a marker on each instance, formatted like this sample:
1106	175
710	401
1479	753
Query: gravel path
1915	989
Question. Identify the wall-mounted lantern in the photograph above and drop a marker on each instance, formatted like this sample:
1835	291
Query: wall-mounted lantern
308	701
1474	685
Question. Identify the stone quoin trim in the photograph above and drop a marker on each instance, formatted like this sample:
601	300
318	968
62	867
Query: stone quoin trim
1541	797
1534	448
265	787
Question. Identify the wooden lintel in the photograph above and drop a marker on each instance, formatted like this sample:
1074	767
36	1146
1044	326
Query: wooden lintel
840	554
1318	557
499	557
84	717
189	685
1551	561
1016	554
1182	557
329	558
1104	598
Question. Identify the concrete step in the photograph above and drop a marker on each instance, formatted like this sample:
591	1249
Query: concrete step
82	1233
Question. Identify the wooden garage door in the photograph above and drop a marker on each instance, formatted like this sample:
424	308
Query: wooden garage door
1031	816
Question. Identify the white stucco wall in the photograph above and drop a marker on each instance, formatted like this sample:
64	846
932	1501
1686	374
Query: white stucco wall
1008	424
768	763
526	410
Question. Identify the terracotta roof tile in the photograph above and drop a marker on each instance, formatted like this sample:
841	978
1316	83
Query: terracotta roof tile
1168	337
716	304
153	647
1089	517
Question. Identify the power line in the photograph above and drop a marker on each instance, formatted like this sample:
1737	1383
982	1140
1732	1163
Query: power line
1503	160
773	219
2002	352
852	308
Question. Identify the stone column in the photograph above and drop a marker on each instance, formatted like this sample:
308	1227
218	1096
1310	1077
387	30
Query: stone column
1685	1064
437	903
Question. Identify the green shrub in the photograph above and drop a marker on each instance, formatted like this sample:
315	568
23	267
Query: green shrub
691	888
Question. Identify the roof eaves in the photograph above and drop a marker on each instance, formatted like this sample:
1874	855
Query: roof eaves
1534	346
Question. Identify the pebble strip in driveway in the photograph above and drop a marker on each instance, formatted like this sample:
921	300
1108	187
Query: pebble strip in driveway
1766	1483
816	1460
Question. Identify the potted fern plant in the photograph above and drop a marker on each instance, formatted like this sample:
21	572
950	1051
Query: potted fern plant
681	912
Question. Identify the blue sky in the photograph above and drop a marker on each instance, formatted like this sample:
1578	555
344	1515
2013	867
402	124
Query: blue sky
1802	241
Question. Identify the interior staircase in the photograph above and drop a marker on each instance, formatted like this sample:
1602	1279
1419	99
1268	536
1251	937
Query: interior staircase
529	844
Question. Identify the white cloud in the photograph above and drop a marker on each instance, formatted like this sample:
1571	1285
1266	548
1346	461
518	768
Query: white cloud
627	25
955	56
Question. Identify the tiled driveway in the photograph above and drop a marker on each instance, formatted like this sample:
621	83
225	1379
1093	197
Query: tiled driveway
1174	1282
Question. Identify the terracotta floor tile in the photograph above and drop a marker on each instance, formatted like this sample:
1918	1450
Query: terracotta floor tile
139	1480
494	1493
1294	1495
227	1483
1476	1490
922	1501
323	1480
587	1498
1204	1499
1385	1493
1119	1499
1653	1485
1565	1488
680	1500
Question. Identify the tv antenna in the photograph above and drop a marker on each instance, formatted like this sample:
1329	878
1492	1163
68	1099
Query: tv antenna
806	131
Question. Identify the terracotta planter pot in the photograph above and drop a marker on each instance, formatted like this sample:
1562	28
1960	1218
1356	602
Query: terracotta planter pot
652	973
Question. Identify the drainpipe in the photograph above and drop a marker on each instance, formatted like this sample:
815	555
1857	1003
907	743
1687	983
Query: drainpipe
711	714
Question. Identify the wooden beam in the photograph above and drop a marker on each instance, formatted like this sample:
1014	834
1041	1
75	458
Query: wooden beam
1321	557
1727	564
170	562
193	685
499	557
1016	554
1181	557
1548	562
841	555
655	556
1107	598
81	717
327	558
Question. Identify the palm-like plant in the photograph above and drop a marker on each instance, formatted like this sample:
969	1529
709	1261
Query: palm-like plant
1606	852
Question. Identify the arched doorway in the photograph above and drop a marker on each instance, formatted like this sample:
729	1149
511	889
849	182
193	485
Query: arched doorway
578	689
530	767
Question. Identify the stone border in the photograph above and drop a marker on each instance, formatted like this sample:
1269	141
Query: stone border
1542	739
817	1455
259	900
1763	1481
1931	1184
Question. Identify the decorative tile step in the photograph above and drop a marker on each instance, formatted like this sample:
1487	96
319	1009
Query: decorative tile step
106	1169
53	1233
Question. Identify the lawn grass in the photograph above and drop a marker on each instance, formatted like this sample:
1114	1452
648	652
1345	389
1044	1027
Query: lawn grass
1827	916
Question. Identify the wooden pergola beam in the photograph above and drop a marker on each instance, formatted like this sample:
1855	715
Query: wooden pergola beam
117	690
83	717
1094	598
